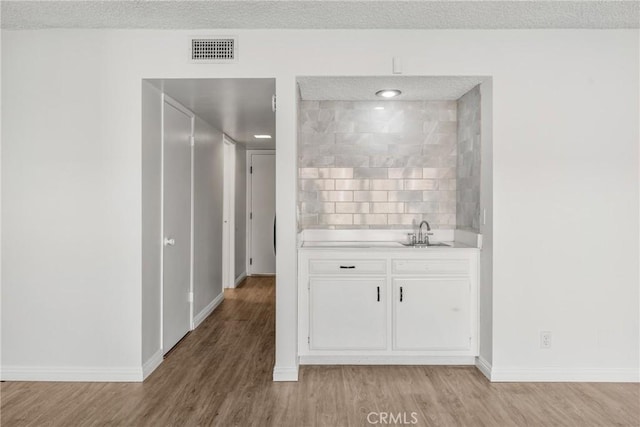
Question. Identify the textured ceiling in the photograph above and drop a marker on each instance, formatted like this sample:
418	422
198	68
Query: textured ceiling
240	108
320	14
364	88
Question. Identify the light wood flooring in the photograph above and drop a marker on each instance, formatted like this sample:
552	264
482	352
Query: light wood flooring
220	375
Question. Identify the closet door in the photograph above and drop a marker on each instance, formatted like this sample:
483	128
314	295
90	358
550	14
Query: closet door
263	214
176	282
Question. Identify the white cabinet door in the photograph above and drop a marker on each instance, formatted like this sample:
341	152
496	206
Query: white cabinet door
347	314
432	314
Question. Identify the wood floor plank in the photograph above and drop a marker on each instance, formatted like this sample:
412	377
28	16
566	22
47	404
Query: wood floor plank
221	375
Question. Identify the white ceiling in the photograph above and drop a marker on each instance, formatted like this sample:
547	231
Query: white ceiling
320	14
414	88
240	108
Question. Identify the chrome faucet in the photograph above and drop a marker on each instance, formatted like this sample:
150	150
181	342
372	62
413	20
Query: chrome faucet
423	238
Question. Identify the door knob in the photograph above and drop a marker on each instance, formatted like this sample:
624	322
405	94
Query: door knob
169	242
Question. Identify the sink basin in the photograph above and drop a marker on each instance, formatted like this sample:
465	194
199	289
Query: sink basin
425	245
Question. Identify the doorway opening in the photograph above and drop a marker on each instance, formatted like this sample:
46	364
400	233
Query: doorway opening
199	139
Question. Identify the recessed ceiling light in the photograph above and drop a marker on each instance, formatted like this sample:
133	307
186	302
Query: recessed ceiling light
378	108
388	93
262	136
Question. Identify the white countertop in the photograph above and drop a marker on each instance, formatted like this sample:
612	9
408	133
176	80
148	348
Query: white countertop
385	240
378	245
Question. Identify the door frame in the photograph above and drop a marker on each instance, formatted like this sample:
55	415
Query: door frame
167	99
249	203
228	213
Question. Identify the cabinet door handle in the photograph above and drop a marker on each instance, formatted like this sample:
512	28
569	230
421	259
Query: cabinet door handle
347	266
378	293
401	294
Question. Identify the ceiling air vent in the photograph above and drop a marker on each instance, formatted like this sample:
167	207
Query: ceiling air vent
217	50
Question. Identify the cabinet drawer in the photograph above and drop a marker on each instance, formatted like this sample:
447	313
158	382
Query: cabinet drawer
359	266
431	266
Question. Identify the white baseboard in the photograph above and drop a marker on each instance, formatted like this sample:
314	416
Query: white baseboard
240	278
68	374
151	364
281	374
205	312
484	367
387	360
612	375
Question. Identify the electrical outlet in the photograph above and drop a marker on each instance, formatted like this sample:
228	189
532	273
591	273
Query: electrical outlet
545	339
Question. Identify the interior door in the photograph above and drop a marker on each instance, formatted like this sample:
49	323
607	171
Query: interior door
432	314
228	209
263	214
176	283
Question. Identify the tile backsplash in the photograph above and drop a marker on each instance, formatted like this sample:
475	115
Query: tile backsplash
369	164
468	167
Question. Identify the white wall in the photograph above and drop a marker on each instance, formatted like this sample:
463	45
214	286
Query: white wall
151	220
565	153
486	224
240	232
208	194
71	190
1	174
566	208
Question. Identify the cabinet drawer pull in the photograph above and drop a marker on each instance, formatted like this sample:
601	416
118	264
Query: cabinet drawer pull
378	293
401	294
347	266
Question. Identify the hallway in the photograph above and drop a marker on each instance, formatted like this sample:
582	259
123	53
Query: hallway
220	374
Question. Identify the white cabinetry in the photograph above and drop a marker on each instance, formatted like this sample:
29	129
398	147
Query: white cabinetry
432	314
347	314
386	306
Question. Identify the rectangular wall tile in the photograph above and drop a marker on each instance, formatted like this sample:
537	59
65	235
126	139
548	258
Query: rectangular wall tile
422	207
367	168
377	173
335	196
370	219
307	196
420	184
346	207
355	160
335	219
387	184
353	184
404	219
316	161
382	207
316	184
317	207
341	173
396	173
370	196
405	196
308	173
